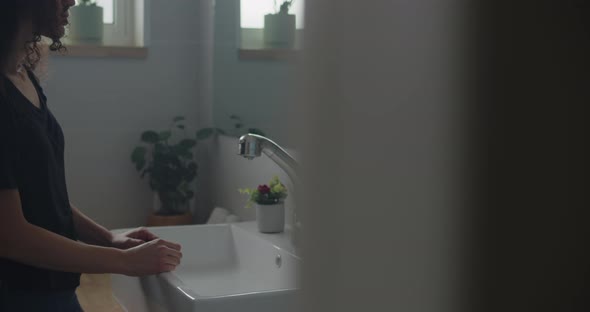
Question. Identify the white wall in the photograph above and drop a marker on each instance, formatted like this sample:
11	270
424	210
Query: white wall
104	104
259	91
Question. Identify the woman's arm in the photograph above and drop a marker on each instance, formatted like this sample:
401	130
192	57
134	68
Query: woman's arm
93	233
89	231
23	242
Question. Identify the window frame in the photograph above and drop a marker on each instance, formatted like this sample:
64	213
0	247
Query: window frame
300	14
122	31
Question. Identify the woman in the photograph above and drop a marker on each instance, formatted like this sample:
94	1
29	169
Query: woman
45	242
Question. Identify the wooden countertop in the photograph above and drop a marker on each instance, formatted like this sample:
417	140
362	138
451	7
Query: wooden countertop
95	294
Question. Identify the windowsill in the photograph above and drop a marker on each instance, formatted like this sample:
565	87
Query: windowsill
271	54
103	51
252	47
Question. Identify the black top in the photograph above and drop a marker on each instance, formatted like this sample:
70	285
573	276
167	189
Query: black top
32	161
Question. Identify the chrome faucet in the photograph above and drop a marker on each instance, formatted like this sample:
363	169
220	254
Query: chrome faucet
253	145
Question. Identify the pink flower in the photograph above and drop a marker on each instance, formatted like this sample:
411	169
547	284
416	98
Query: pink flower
263	189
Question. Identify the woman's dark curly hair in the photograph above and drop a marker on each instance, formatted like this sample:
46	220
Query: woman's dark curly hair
43	14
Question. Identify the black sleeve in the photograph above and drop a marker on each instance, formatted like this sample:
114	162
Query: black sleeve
7	151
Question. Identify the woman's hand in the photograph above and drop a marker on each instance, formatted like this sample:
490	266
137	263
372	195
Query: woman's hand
156	256
132	238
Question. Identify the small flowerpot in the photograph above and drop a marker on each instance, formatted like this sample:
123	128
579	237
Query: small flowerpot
271	218
179	216
157	220
86	24
279	30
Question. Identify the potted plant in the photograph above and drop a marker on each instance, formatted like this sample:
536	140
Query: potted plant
86	22
169	163
279	28
270	205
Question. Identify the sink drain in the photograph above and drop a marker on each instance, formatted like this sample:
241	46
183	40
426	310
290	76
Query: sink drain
279	261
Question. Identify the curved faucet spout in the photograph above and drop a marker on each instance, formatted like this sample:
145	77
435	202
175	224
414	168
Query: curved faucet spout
253	145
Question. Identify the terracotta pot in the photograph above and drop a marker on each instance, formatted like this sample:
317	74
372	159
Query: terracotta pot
155	220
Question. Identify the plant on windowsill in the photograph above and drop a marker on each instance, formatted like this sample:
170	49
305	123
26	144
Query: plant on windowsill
279	28
270	205
86	23
167	159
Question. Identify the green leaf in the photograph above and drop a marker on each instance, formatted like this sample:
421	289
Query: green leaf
149	137
138	154
205	133
190	194
187	144
146	171
178	118
182	151
159	148
139	165
246	191
165	135
239	126
192	167
180	127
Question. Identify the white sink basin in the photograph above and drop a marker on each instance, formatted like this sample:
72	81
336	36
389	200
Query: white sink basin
224	268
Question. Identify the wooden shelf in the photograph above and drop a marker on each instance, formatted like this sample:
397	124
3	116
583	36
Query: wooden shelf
78	50
251	47
268	54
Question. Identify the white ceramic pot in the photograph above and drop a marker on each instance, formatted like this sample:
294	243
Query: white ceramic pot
271	218
86	24
279	30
